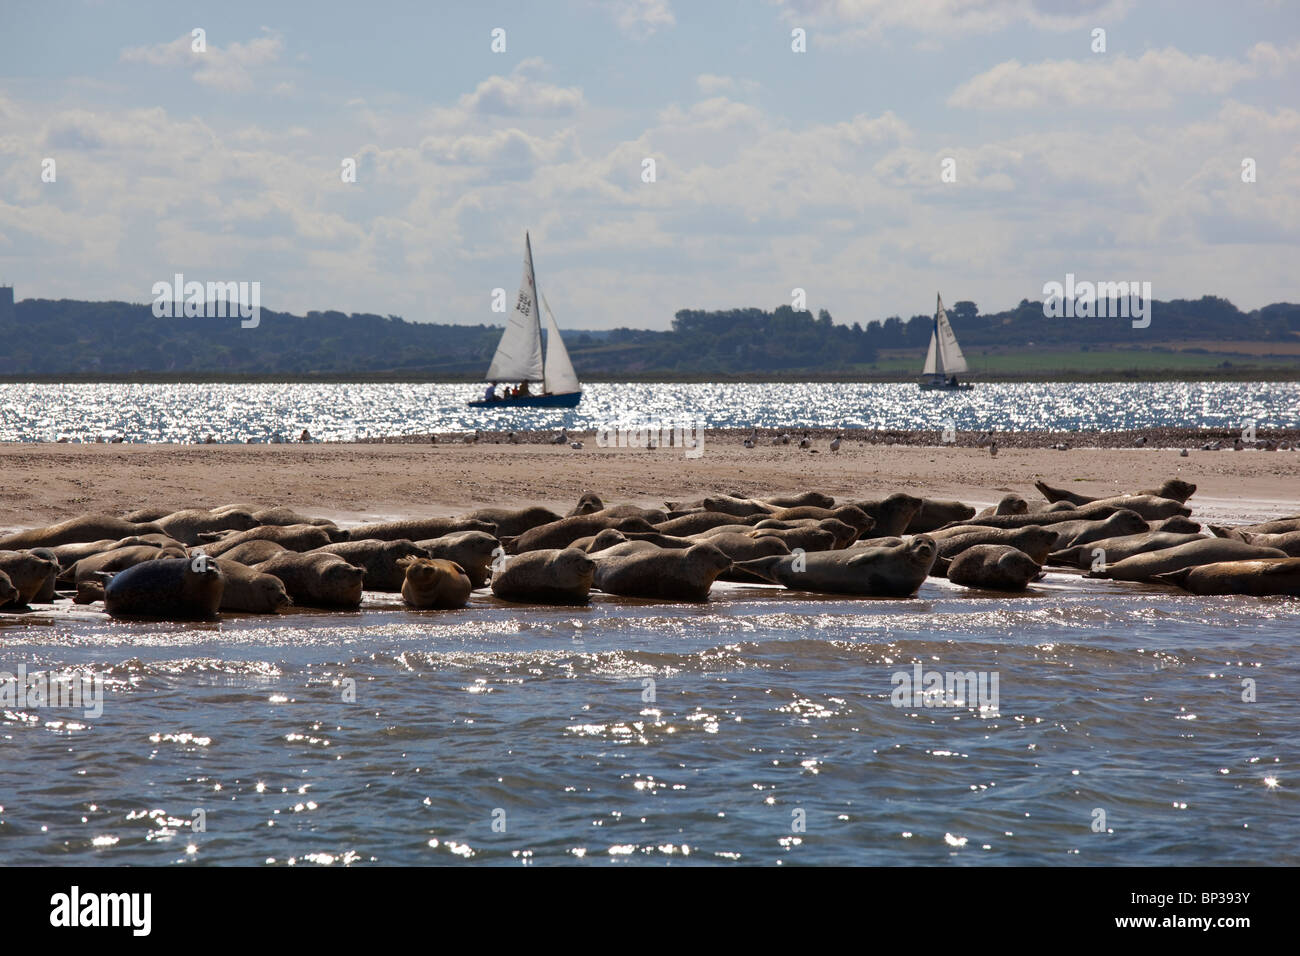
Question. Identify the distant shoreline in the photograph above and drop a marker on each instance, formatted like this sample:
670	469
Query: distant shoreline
1136	375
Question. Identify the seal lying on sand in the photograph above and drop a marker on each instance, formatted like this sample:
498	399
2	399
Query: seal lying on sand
186	526
435	583
472	550
510	522
589	503
1281	526
252	552
1288	542
1117	549
549	576
723	504
1112	526
317	578
292	537
845	534
997	567
1174	488
867	571
699	521
892	515
1143	567
562	533
380	560
1009	505
74	530
8	593
251	591
170	589
417	529
29	574
809	539
934	514
86	573
46	594
679	574
1269	576
1033	541
814	499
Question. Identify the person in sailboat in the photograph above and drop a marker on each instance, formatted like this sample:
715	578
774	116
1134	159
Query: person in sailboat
491	394
952	381
523	389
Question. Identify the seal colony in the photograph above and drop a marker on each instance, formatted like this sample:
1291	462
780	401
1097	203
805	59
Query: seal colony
197	564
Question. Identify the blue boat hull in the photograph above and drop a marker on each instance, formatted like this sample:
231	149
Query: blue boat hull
563	400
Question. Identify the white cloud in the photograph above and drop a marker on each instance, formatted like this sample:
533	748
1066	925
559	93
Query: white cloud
522	94
640	17
1116	81
852	20
230	68
711	84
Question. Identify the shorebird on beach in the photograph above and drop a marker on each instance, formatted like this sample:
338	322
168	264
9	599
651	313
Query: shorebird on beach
562	438
472	439
835	443
305	436
512	439
751	440
575	445
993	449
806	442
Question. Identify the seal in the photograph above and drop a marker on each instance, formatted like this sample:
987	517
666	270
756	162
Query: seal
147	514
699	521
46	594
510	522
283	516
1178	524
845	535
169	589
562	533
853	517
417	529
1008	505
1280	526
1085	513
380	560
87	574
472	550
895	571
186	526
1174	488
588	504
30	574
1117	549
892	514
435	583
808	539
1288	542
252	552
724	504
811	499
934	514
251	591
1261	578
549	576
1082	531
610	538
74	530
317	578
994	567
662	573
8	593
1034	541
1143	567
292	537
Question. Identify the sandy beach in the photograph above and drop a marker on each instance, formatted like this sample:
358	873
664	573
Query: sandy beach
44	483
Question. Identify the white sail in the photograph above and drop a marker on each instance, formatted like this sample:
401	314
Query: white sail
560	376
944	357
519	356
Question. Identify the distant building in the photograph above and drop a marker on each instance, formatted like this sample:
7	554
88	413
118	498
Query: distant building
6	302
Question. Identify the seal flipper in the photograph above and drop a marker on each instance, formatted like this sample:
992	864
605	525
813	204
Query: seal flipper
1176	579
764	568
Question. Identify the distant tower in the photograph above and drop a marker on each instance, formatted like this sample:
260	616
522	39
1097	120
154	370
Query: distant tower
6	302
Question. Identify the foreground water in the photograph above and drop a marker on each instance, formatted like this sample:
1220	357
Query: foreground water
239	413
758	729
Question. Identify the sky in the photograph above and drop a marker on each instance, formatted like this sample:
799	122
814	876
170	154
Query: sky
976	148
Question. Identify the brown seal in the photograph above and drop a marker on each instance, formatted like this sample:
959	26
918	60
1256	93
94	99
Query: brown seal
435	583
169	589
996	567
549	576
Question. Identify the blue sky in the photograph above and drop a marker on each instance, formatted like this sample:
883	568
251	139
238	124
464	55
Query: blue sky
775	169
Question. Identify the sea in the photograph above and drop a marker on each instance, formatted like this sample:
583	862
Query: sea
239	413
1084	723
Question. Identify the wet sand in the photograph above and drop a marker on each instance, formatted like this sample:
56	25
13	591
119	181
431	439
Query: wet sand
44	483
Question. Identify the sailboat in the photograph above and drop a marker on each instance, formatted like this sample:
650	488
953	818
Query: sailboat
944	360
519	355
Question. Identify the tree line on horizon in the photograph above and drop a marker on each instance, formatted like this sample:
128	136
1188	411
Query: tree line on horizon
65	337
